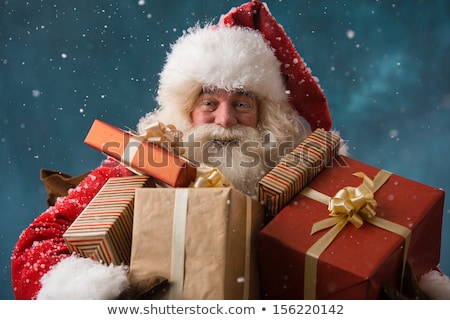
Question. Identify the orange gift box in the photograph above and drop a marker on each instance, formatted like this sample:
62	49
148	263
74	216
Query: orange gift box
141	155
359	261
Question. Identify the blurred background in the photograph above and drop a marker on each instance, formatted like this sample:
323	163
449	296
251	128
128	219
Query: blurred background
383	66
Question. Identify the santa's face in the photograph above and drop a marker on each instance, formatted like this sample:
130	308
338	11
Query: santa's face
226	135
225	108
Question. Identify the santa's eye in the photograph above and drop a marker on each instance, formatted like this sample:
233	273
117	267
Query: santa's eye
242	105
208	105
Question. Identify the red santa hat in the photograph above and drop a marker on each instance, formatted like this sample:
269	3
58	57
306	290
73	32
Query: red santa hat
247	49
305	95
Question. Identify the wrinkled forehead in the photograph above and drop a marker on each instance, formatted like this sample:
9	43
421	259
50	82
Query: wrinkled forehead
240	91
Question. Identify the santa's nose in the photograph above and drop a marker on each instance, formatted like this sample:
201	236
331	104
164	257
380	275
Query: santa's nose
225	116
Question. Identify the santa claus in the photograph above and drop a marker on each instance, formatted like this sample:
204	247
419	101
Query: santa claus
236	85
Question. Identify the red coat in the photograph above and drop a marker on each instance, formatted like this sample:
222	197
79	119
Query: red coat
41	245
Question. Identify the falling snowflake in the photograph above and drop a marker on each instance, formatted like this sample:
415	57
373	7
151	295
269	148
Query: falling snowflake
350	34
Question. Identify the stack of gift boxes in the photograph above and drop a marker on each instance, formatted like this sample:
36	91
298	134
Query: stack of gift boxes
202	239
325	227
346	234
346	260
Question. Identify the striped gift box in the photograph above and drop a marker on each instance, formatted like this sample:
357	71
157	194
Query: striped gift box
296	170
103	230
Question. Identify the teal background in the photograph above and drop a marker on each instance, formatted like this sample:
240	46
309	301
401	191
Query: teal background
382	64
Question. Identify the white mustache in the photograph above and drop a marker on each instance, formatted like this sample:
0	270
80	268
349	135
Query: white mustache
221	136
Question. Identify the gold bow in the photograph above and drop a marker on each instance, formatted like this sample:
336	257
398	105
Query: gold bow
350	204
209	177
165	136
169	137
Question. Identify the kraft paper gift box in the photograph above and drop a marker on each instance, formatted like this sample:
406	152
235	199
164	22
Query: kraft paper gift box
140	155
296	170
202	239
103	230
296	264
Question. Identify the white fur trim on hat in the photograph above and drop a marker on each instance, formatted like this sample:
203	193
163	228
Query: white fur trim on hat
222	57
77	278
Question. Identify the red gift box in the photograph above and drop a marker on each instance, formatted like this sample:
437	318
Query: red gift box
359	261
141	155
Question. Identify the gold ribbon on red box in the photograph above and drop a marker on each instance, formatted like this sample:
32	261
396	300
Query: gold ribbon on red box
350	204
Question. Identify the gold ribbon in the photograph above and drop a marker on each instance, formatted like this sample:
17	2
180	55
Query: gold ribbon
248	247
156	133
350	204
169	138
178	256
165	136
162	135
178	243
209	177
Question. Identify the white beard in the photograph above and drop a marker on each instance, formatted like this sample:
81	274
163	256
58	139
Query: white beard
238	152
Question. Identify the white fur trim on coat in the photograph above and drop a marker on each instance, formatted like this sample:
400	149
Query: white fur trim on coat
77	278
436	285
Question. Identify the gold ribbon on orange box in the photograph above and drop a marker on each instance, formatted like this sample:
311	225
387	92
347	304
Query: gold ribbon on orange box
350	204
156	133
166	136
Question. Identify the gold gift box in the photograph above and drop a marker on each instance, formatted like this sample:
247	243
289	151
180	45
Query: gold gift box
202	239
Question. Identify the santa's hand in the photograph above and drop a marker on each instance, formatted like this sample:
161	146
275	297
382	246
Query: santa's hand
78	278
148	289
410	291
